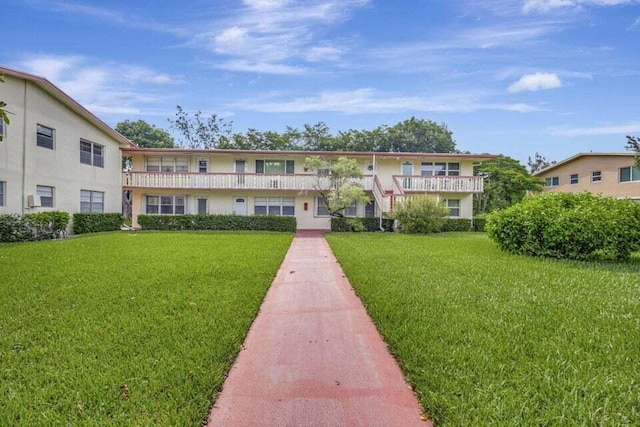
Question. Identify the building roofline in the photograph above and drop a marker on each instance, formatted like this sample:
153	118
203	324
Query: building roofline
71	103
483	156
576	156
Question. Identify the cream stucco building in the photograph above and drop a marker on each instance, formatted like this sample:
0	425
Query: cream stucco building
176	181
609	174
55	154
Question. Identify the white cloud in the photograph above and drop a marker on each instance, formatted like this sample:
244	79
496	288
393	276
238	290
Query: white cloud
368	100
548	5
536	81
101	87
274	34
598	130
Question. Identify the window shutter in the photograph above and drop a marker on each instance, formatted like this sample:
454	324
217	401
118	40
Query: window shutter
289	167
259	166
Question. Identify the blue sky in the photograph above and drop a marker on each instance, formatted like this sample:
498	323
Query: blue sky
507	76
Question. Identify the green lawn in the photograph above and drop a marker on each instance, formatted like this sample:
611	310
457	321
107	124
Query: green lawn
489	338
126	328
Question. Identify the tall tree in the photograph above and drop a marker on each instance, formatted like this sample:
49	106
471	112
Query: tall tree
197	131
4	117
145	135
339	188
633	144
418	135
506	182
538	163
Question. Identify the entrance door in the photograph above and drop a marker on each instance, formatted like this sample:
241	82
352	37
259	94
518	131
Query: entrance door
239	205
240	168
407	169
202	206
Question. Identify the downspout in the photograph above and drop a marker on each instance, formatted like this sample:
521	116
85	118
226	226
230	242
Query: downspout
24	147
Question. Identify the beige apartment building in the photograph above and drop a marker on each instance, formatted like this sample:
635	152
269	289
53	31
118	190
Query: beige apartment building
55	154
609	174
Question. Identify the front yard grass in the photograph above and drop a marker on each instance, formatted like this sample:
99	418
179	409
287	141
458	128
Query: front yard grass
489	338
127	328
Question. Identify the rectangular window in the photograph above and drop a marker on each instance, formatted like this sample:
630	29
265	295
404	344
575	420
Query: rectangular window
166	205
167	164
453	169
153	164
46	195
202	206
91	201
596	176
321	208
91	154
629	174
44	137
427	169
370	209
351	210
275	167
202	166
454	207
3	191
573	178
552	182
274	206
439	169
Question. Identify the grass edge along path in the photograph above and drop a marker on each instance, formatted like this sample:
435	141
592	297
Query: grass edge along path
489	338
127	328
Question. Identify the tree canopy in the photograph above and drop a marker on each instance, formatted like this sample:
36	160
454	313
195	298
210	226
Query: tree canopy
538	163
145	135
633	144
506	182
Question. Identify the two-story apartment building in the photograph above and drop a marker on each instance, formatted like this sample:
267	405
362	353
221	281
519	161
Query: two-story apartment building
176	181
609	174
55	154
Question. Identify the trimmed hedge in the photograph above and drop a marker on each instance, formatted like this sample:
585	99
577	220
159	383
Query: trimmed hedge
86	222
342	224
218	222
456	224
35	226
570	226
479	224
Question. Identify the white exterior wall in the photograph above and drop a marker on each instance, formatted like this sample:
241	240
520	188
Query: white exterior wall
24	165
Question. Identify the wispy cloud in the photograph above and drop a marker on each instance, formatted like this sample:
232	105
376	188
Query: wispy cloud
110	88
535	82
368	100
624	129
548	5
277	36
635	25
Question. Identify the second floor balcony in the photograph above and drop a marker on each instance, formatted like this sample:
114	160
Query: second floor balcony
439	184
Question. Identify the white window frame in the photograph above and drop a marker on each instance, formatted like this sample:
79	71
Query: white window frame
93	159
205	163
46	192
285	164
3	193
176	209
549	182
571	179
596	176
274	205
452	208
95	201
45	137
631	173
166	164
320	204
433	168
371	210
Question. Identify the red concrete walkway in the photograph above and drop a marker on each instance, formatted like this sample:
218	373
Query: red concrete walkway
313	357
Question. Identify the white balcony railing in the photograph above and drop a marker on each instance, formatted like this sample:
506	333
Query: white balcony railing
439	184
220	181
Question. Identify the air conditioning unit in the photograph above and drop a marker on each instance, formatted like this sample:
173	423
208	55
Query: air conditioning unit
33	201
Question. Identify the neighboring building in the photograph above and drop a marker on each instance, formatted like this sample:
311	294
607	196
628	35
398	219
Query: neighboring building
55	155
609	174
176	181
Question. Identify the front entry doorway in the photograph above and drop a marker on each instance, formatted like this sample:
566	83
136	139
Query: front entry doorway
239	205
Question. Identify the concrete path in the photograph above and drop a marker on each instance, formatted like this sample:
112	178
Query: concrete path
313	357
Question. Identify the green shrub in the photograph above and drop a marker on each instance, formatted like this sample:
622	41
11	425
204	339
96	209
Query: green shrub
421	214
86	222
456	224
479	223
218	222
14	228
571	226
369	224
48	225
